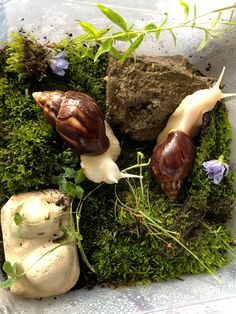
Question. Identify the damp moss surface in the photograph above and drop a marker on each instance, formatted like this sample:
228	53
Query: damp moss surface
131	232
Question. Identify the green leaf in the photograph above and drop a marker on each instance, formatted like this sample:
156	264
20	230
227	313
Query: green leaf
9	269
121	36
216	20
79	191
70	189
113	16
115	53
173	36
185	7
14	266
82	38
158	34
18	219
64	229
204	42
133	47
104	47
79	176
7	283
102	32
78	236
150	27
69	172
62	184
88	28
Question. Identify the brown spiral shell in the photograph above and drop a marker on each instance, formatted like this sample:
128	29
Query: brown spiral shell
77	119
172	160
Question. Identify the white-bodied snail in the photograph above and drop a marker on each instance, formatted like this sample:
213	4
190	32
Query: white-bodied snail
173	156
80	123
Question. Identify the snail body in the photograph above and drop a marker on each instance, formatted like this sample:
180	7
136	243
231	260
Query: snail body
102	168
173	156
80	123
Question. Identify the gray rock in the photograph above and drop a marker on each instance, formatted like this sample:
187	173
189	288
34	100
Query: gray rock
141	96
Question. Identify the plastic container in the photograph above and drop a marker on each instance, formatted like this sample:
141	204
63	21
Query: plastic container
52	20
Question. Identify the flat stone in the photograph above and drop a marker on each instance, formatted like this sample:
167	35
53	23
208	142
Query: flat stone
142	95
43	213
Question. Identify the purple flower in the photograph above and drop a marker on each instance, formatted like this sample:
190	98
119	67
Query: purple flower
58	63
216	169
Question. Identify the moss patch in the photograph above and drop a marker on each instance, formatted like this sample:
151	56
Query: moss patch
30	150
122	244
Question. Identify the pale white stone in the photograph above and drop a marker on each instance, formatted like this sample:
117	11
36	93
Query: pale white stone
44	211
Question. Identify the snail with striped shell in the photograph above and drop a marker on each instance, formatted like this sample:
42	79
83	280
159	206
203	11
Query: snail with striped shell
79	121
173	156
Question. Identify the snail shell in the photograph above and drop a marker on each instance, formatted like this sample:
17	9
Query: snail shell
174	155
77	119
80	123
172	160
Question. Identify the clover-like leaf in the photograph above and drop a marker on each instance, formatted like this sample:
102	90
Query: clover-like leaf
8	283
9	269
79	176
70	189
79	192
18	219
69	172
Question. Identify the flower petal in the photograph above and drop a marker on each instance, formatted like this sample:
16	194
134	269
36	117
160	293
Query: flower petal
216	170
62	63
217	179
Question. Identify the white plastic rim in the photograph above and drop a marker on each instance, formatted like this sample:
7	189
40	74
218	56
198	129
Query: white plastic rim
53	20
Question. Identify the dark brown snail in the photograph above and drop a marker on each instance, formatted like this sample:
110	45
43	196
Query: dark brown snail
174	155
172	161
77	119
80	123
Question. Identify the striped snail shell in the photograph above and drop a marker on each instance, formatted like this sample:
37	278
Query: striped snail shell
77	119
172	160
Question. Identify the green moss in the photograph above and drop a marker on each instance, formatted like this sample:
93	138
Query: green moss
28	157
120	243
30	150
26	57
123	250
205	196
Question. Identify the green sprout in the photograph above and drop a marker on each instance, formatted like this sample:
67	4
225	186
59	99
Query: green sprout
135	37
70	181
